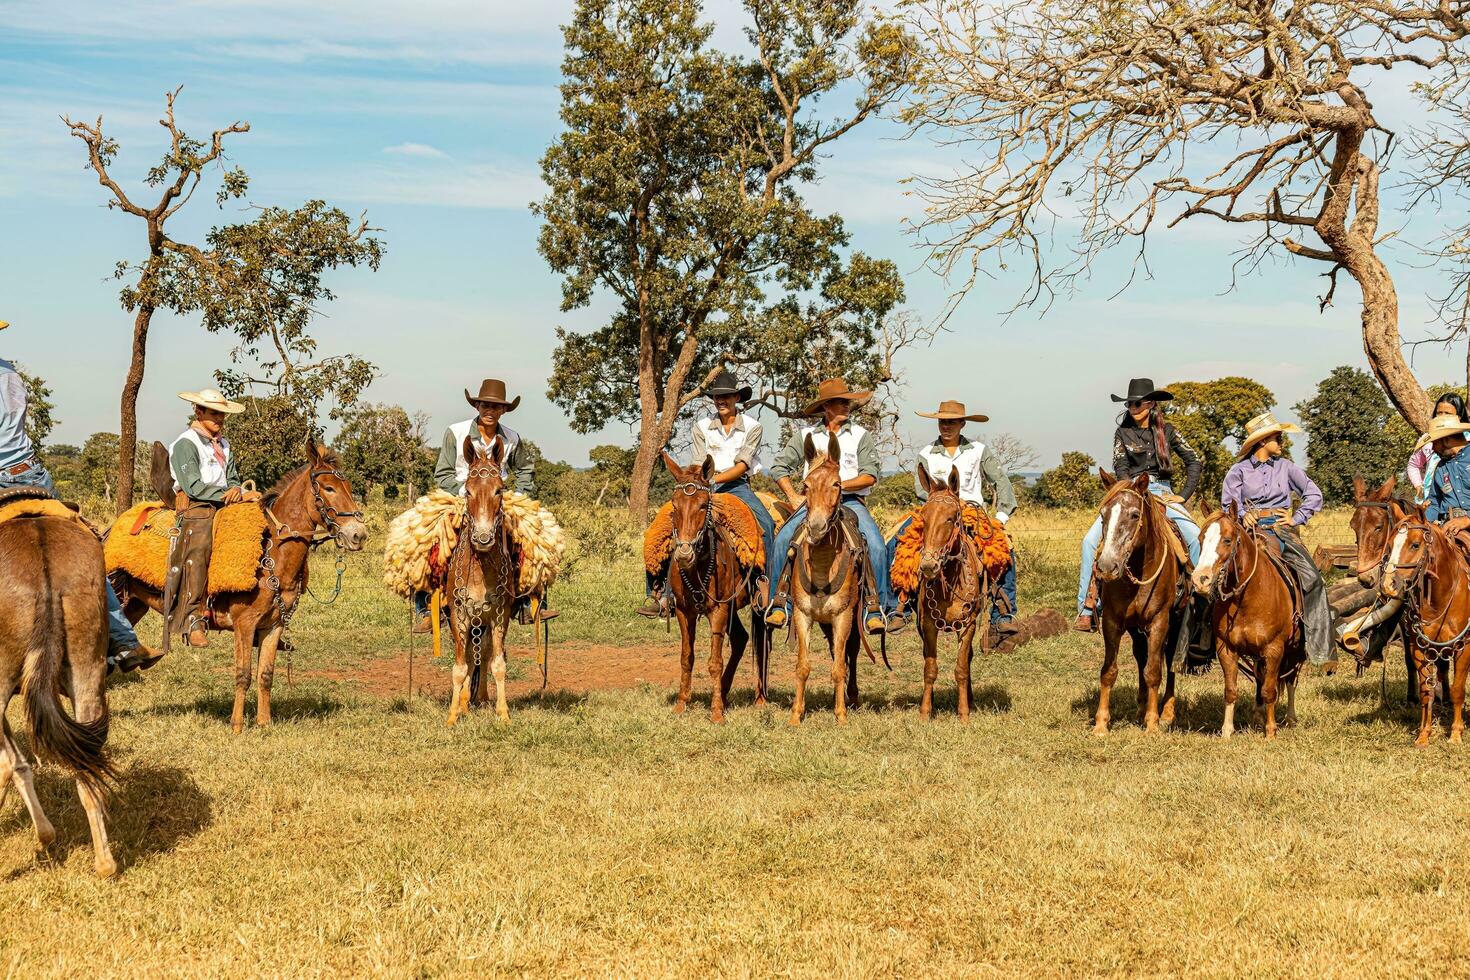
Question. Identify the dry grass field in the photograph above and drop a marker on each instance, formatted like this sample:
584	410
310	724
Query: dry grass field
600	834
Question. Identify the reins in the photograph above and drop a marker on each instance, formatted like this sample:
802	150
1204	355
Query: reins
1145	517
1414	597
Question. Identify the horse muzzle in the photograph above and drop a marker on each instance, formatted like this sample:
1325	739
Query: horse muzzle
482	535
928	565
352	536
1368	579
684	555
1204	582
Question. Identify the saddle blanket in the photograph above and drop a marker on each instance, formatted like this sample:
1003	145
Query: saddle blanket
988	535
730	513
137	543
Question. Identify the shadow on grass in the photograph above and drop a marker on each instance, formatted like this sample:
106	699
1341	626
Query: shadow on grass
152	810
988	698
285	707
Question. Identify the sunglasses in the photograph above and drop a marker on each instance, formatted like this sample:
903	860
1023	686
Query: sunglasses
1135	403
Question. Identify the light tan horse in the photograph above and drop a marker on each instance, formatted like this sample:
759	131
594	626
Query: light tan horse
53	640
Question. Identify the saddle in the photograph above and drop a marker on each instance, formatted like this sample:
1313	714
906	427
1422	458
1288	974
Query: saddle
138	544
1458	528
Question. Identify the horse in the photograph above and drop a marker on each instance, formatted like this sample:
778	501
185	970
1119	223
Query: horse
481	583
315	496
1371	525
1256	626
53	639
1139	581
1429	572
827	580
953	587
707	580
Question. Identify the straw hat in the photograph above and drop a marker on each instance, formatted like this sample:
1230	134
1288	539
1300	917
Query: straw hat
1262	427
211	398
952	410
492	390
833	389
1440	427
3	324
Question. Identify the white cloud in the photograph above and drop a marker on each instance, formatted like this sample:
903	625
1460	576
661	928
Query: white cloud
440	184
423	150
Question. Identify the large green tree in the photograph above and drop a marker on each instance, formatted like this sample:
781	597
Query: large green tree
1212	414
1349	432
268	438
674	190
40	412
384	445
1071	483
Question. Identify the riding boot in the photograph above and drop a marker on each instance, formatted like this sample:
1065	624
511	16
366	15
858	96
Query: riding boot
1317	614
1201	651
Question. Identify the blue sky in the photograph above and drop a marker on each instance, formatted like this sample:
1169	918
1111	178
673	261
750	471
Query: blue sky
431	117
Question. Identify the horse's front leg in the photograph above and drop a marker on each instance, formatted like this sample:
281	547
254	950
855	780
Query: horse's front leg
718	623
1153	675
1426	673
688	623
245	625
1108	676
1229	671
498	627
269	645
1271	671
931	667
800	624
964	658
459	695
842	626
1457	696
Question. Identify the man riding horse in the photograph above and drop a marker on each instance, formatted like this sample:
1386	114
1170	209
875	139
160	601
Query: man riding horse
1259	486
733	440
206	478
517	466
975	467
858	470
1447	485
20	466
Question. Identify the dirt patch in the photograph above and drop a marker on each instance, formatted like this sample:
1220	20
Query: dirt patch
575	668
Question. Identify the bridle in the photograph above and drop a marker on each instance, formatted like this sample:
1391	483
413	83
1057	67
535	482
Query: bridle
1143	505
1413	596
1232	562
701	591
956	549
486	539
331	517
1382	505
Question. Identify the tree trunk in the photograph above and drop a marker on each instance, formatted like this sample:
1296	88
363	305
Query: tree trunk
128	436
1384	346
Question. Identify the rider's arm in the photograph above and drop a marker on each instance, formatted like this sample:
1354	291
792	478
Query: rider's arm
1122	469
1232	491
183	462
444	468
1193	465
522	469
1005	494
867	462
788	463
1417	465
746	456
1307	489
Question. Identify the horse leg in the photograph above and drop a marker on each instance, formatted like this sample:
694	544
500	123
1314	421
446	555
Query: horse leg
88	683
854	641
15	768
244	649
1425	672
963	654
1291	702
761	640
738	639
840	630
931	669
1229	669
1153	676
459	695
718	623
1271	671
1457	697
266	674
688	623
497	664
1112	636
800	623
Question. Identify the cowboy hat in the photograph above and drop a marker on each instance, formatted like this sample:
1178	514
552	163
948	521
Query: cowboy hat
211	398
1143	390
3	324
831	390
1260	428
1440	427
492	390
725	383
952	410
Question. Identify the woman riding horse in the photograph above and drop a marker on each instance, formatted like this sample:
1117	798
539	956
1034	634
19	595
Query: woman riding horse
1143	444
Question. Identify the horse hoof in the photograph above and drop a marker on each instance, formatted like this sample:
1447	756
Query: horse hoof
106	867
760	702
451	722
503	717
794	721
1270	734
1100	728
718	719
680	707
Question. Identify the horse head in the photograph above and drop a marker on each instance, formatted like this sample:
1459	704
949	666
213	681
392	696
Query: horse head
1409	551
823	486
1124	513
692	515
1220	537
483	488
942	518
335	507
1370	524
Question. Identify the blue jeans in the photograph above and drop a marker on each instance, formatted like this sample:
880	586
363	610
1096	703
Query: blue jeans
1185	523
740	488
872	537
120	635
1007	581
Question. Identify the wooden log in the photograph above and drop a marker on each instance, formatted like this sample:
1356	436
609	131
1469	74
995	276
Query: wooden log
1347	588
1347	606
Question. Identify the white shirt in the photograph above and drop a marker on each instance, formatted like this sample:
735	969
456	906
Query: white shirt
847	444
966	460
211	473
725	448
505	434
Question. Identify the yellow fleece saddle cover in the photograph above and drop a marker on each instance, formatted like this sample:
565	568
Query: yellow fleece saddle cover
988	535
137	544
730	513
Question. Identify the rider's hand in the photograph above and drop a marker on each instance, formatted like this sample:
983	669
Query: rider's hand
1249	520
233	495
251	496
796	500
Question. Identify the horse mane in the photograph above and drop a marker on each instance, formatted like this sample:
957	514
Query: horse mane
328	457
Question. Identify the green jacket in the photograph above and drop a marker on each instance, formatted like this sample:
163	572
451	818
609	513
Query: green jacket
517	467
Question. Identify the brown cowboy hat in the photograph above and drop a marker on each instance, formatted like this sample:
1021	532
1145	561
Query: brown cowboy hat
492	390
952	410
831	390
1260	428
3	324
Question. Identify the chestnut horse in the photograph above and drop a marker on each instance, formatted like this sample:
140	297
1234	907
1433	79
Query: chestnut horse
53	640
1371	525
481	583
708	580
1257	627
1428	571
1139	581
953	587
311	498
827	580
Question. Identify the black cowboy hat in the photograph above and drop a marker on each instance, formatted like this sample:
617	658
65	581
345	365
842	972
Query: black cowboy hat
492	390
726	383
1143	390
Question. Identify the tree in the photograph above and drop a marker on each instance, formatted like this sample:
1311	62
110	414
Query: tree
673	188
266	439
895	491
1104	110
1348	433
1209	415
150	286
39	418
97	466
1071	483
383	444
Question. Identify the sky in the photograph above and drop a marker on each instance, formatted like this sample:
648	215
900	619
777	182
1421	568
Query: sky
431	117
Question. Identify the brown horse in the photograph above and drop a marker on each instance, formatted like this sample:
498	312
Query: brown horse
707	580
1371	525
481	584
826	580
953	587
53	639
1256	626
1428	571
1139	581
311	498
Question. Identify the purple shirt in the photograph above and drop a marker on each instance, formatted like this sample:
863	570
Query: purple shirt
1267	486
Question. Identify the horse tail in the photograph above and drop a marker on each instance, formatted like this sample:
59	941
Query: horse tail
74	745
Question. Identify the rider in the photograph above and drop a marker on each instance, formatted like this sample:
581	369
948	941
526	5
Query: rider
733	440
1260	485
517	465
858	469
976	468
21	467
1144	443
1423	461
1449	482
205	479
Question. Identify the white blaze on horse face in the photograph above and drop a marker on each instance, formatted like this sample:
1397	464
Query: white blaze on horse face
1397	554
1208	550
1110	530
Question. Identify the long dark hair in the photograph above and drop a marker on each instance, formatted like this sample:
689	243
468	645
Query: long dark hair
1160	434
1453	398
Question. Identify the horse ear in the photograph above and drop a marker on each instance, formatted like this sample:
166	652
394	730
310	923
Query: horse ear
1396	510
1386	491
1234	511
497	450
809	448
1421	511
470	453
1360	486
925	480
1140	483
1107	478
707	468
954	479
834	448
671	465
312	452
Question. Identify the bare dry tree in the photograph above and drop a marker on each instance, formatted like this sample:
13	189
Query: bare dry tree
1100	111
178	175
1444	180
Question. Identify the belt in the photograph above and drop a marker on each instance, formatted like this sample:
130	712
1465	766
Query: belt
24	466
